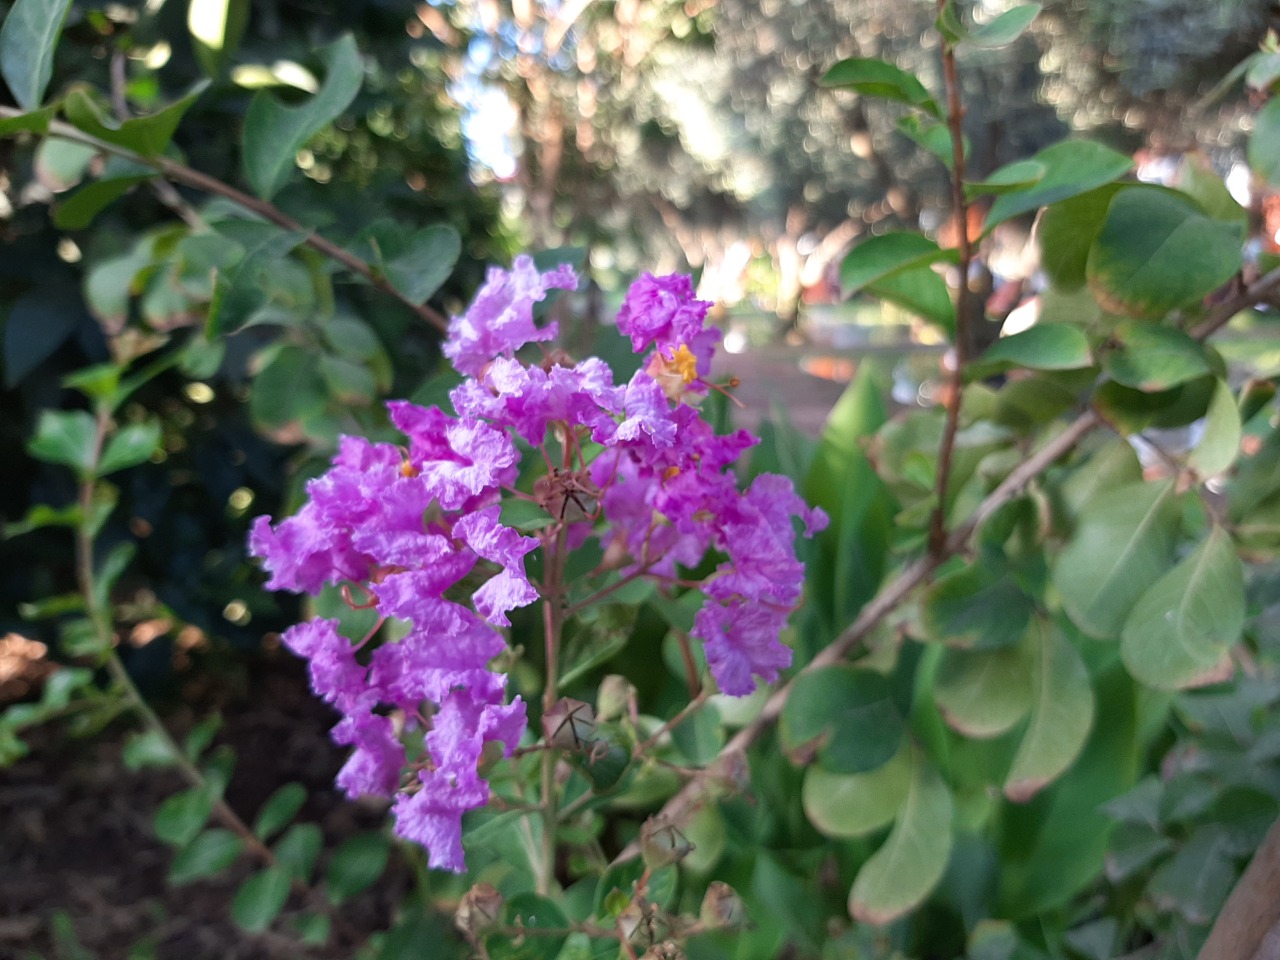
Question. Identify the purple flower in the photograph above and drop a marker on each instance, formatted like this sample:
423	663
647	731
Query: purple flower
500	319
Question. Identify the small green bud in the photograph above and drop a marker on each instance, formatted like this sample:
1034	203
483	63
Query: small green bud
615	698
661	844
643	924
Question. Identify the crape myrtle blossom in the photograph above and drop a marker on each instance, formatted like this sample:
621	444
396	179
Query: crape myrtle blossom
402	528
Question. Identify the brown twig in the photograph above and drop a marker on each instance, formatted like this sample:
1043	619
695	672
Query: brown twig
946	449
180	173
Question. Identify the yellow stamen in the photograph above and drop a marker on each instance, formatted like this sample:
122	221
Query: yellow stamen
685	363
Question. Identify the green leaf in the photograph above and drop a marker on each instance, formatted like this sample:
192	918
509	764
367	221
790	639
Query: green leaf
1152	358
148	136
848	805
1051	346
1198	181
932	136
979	606
1220	443
350	383
425	263
1121	546
288	389
922	292
61	164
1004	29
209	853
27	41
130	446
1181	631
984	693
274	133
888	254
1061	716
1019	175
1264	145
298	849
532	912
313	928
78	210
1157	252
260	898
1066	232
1195	882
356	865
65	437
242	290
524	515
1072	167
148	749
183	815
39	322
900	874
200	736
279	810
877	78
37	121
845	716
949	25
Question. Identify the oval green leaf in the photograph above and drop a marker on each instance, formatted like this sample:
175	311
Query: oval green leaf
356	865
979	606
1264	145
1061	716
1072	167
878	78
847	805
209	853
1122	545
1220	443
183	815
298	849
984	693
279	810
1153	359
129	447
27	41
902	872
883	256
1181	630
1157	252
1004	29
845	717
1049	346
260	899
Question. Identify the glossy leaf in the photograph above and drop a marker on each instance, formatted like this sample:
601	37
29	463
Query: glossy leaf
425	263
260	899
65	437
1051	346
1198	181
1019	175
1066	231
1005	28
37	121
274	133
242	289
27	41
932	135
130	446
920	291
1264	144
279	810
148	136
883	256
356	865
1122	545
984	693
1072	168
1153	358
1181	630
902	872
847	805
1195	882
79	210
1061	716
1220	442
877	78
1157	252
209	853
845	717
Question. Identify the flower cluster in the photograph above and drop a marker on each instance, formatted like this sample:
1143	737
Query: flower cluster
414	528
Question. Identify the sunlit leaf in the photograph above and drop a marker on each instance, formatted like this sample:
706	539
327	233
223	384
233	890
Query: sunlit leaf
27	41
984	693
878	78
845	805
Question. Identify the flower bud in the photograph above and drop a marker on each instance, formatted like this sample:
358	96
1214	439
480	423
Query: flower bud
722	908
479	910
732	772
643	924
615	697
569	724
661	844
666	950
